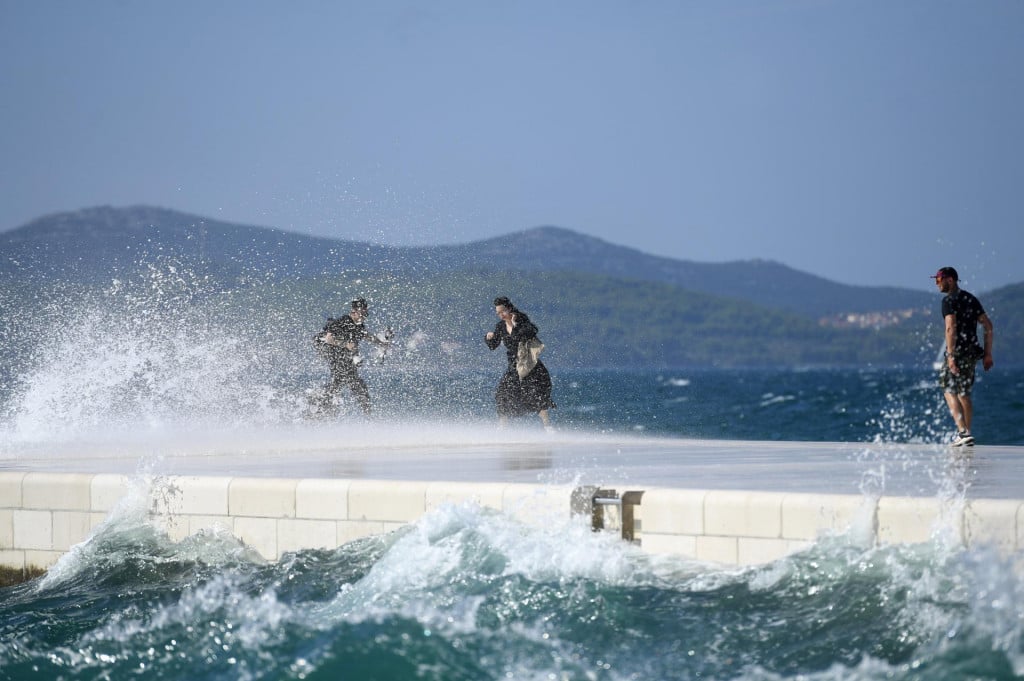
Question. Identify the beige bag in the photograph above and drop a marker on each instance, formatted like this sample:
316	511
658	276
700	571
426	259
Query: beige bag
526	356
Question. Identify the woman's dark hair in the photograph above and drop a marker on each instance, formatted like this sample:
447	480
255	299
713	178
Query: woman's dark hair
504	302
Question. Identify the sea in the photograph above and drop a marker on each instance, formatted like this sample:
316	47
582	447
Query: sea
469	593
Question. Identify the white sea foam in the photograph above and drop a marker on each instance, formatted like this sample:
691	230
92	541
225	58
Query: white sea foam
138	523
769	399
144	355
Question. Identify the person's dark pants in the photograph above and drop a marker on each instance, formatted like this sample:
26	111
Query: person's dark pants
344	375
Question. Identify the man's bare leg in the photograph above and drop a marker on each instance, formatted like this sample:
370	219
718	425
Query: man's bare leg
961	409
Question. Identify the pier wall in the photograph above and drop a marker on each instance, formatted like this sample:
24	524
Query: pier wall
43	515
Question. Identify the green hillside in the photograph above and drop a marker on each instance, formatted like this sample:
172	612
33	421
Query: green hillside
598	321
586	319
1006	308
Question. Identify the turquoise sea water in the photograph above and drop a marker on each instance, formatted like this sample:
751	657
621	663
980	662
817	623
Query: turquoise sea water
467	593
820	405
814	405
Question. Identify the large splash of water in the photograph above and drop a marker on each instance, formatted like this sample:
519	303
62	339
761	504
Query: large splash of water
149	352
168	352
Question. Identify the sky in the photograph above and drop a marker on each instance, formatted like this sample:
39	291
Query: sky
864	141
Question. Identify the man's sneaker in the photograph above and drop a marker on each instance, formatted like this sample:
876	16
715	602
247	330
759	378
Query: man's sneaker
963	439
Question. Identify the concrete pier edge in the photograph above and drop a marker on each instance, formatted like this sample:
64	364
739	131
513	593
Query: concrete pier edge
44	514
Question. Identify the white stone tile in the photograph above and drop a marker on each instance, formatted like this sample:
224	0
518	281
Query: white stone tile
322	499
797	545
10	489
57	491
12	559
42	560
33	530
350	530
675	544
907	520
201	495
387	500
809	516
757	551
216	523
70	528
176	527
487	494
673	511
262	497
295	535
106	490
260	534
718	549
993	521
96	519
538	504
743	514
6	529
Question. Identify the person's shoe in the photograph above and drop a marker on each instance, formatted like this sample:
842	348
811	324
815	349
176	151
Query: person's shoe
963	439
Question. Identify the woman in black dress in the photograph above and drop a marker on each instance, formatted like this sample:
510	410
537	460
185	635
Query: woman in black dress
519	396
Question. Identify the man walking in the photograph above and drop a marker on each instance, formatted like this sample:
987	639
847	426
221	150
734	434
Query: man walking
961	313
338	343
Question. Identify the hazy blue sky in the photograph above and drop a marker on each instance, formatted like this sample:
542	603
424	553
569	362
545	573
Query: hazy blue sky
864	141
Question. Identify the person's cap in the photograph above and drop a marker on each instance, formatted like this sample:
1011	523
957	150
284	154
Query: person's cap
359	304
946	272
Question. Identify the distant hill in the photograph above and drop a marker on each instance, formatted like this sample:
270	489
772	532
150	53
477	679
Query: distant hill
598	304
91	245
597	320
1005	306
95	244
766	283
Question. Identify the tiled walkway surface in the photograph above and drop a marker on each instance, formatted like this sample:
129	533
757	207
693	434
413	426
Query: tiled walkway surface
561	458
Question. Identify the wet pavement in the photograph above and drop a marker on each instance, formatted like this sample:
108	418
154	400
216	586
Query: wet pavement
624	462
